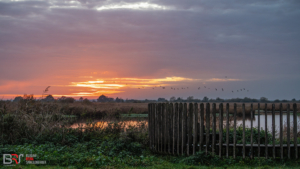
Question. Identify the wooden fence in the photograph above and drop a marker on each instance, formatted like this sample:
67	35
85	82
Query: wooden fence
184	129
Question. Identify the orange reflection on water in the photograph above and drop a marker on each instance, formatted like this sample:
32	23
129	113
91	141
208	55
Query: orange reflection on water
104	124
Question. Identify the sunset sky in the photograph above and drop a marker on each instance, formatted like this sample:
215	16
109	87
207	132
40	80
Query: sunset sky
92	47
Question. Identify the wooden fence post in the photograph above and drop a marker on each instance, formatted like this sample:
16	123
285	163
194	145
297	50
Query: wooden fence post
251	119
266	131
149	124
171	129
281	131
258	130
180	121
295	130
154	127
158	126
207	133
288	130
190	128
227	130
244	140
195	126
220	128
175	127
273	129
234	132
184	128
213	129
201	126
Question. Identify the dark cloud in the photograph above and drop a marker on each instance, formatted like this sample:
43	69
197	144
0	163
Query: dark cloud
247	39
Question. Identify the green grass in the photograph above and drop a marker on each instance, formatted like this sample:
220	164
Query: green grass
110	148
134	115
165	165
69	116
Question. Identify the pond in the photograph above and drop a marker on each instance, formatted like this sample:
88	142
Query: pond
269	121
139	123
144	121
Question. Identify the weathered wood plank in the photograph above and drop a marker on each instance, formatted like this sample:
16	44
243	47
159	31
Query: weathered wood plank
213	129
180	112
207	117
258	130
266	131
244	140
281	131
184	128
149	124
234	131
295	129
153	124
190	128
273	129
201	126
195	126
227	130
288	130
251	125
153	109
175	127
171	129
163	134
220	128
164	137
158	126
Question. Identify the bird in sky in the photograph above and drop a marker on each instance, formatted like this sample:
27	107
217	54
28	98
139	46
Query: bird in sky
198	88
222	89
225	76
163	87
216	89
232	91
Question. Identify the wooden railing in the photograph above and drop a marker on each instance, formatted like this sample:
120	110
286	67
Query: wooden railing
185	128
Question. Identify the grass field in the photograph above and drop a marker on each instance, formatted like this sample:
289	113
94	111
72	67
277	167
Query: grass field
165	165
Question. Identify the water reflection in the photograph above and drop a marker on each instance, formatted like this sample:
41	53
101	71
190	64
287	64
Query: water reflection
239	121
269	121
103	124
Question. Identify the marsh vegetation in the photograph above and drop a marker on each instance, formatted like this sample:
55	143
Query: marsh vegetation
95	135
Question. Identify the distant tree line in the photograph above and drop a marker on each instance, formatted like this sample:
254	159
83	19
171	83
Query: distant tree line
218	99
104	99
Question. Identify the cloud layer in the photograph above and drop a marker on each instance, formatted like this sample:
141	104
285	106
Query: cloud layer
55	42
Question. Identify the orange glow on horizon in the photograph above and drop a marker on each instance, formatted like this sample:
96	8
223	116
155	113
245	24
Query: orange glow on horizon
110	86
116	85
